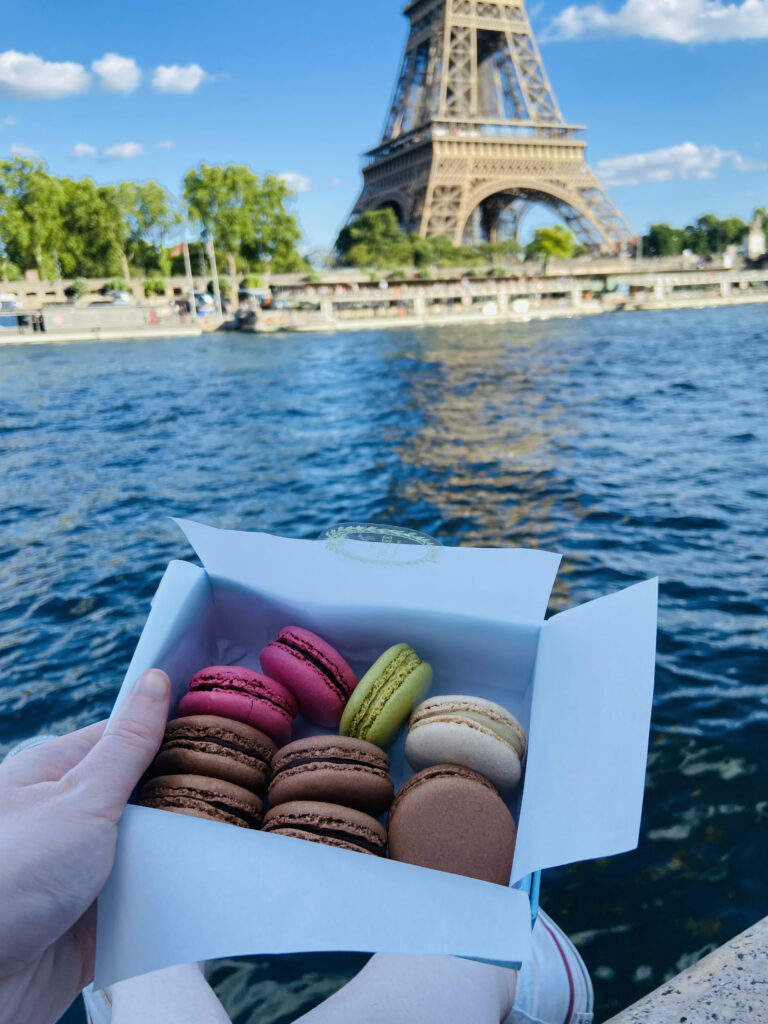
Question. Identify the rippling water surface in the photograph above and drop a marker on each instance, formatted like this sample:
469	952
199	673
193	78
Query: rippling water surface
636	444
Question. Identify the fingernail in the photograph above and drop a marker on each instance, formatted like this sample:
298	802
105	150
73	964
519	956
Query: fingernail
153	683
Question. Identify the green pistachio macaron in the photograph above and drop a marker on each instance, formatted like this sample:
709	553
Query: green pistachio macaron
382	701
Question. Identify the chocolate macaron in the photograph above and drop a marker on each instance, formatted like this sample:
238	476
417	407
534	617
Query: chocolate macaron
221	748
200	797
342	827
452	818
332	769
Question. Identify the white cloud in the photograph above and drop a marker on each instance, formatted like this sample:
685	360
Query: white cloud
82	151
296	182
165	144
117	74
124	151
178	78
9	121
22	150
334	182
25	76
686	161
676	21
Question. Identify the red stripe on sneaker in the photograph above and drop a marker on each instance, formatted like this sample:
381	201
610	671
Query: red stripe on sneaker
572	993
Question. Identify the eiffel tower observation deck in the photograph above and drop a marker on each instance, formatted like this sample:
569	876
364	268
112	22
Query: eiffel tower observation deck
475	136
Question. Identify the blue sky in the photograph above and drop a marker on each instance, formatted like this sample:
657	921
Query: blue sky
672	93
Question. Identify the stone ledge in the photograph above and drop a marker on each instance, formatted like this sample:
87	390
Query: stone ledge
730	986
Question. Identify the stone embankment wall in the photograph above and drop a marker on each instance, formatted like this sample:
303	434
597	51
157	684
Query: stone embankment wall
36	294
730	986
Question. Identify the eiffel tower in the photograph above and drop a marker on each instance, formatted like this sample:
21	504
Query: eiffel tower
475	136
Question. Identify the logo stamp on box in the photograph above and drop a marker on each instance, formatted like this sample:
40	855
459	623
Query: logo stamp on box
388	545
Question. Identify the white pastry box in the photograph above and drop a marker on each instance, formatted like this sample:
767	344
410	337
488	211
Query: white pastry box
581	683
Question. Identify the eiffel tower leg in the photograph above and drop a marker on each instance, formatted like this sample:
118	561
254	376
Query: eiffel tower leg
443	206
491	212
474	124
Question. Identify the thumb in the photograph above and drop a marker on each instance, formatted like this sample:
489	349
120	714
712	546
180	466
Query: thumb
111	770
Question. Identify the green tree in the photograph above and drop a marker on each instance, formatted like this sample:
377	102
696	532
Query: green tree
149	214
500	252
91	225
663	240
246	215
551	243
276	230
30	223
709	234
422	251
449	255
374	239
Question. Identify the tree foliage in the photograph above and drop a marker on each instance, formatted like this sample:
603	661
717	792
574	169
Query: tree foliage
29	223
555	242
245	215
707	235
75	228
375	239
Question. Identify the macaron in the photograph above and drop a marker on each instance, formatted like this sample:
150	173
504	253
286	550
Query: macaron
221	748
233	691
201	797
332	824
332	769
452	819
469	731
314	672
384	698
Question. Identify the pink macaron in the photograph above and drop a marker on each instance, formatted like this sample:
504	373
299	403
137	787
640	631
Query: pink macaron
314	672
233	691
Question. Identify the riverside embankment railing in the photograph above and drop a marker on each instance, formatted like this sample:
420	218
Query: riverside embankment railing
32	294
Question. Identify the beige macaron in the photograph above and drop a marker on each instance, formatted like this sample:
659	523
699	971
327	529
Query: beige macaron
467	731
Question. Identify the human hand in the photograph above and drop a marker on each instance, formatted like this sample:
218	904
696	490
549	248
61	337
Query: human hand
60	803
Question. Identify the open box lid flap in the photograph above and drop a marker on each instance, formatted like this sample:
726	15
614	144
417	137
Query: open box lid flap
588	742
184	889
491	583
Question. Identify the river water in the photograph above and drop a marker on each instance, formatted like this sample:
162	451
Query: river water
636	444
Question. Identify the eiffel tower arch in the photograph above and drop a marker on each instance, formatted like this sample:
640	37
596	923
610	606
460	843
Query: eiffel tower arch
475	135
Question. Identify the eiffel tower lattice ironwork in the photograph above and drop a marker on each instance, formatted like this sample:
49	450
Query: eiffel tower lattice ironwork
475	132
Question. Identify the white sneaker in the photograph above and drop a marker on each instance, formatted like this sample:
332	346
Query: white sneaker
554	987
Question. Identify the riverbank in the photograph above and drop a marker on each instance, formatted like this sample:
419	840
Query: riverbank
305	322
102	334
490	313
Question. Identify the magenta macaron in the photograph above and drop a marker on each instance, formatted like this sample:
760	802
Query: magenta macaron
314	672
234	691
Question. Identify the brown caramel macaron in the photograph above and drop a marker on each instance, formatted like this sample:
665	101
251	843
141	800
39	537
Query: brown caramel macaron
200	797
451	818
332	769
220	748
343	827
